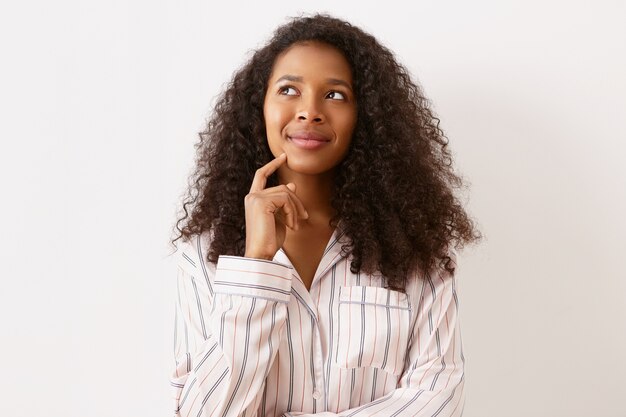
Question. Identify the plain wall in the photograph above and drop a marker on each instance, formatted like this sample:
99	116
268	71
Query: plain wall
101	104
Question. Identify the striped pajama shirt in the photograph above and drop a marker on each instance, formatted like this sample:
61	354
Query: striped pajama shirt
250	340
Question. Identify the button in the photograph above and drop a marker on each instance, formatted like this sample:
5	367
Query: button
317	395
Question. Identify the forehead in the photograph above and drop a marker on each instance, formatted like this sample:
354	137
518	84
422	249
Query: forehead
314	59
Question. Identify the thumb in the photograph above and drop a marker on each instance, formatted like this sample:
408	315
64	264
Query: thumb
291	186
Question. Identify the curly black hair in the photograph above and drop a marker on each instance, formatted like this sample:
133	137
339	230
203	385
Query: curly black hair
394	190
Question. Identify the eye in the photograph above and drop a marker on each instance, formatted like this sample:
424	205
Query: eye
343	97
286	87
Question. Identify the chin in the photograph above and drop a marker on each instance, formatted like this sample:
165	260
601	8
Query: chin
308	166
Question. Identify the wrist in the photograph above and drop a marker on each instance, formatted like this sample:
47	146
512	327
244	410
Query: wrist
258	256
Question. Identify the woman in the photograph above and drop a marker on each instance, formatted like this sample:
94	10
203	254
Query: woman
316	269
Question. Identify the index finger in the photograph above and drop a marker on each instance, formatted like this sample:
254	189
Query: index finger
263	173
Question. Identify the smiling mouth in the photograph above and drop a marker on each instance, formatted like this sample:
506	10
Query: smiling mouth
309	144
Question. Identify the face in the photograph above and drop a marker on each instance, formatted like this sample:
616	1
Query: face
310	108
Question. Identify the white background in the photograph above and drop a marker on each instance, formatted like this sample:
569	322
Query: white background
101	104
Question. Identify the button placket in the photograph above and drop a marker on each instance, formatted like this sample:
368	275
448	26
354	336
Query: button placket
317	378
318	364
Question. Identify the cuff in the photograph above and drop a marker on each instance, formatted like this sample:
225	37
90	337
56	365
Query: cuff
251	277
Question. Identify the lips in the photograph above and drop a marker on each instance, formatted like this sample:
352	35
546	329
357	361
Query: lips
308	140
309	135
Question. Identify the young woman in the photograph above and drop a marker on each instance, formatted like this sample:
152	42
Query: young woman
316	265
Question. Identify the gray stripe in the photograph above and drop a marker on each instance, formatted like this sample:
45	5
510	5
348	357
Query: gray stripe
291	363
269	341
440	409
351	387
195	290
443	367
375	304
223	321
204	271
253	286
338	332
254	260
332	264
304	304
188	259
333	243
456	302
330	333
446	402
205	357
434	295
245	359
264	401
419	307
273	300
206	398
371	404
362	326
388	332
267	368
182	402
373	397
415	397
313	329
184	322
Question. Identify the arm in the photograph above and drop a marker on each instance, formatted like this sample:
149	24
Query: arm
432	383
227	328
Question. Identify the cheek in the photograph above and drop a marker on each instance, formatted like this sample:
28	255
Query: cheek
347	124
347	131
274	116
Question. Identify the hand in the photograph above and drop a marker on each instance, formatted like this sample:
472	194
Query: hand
269	211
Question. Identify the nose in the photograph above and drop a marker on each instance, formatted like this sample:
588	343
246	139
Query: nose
310	110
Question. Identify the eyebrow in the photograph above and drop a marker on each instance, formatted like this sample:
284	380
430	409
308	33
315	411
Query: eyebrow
296	78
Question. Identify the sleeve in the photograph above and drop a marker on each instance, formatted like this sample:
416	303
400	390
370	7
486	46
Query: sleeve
228	320
432	383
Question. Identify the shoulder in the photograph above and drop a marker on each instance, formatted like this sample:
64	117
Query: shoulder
191	253
442	274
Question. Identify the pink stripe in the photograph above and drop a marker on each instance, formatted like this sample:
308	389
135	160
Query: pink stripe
423	358
254	272
388	406
258	351
339	391
398	323
349	329
304	361
375	328
210	373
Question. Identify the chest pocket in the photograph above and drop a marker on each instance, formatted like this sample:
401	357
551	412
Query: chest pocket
373	328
